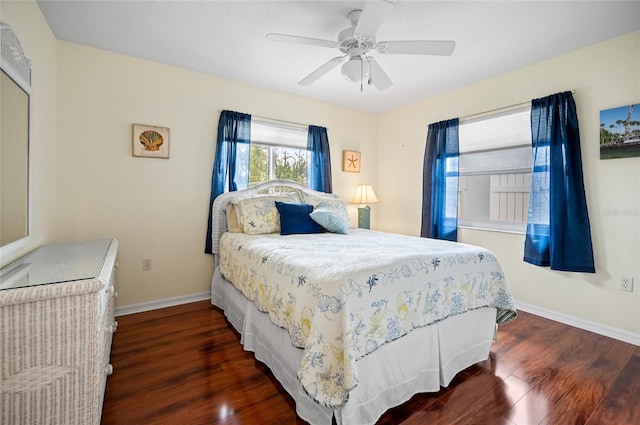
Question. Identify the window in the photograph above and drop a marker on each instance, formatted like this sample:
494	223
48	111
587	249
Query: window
495	171
278	151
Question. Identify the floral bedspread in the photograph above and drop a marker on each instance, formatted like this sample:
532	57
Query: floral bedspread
342	296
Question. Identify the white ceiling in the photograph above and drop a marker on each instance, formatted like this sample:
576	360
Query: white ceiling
227	39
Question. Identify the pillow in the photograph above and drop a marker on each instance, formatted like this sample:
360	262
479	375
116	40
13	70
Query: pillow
295	219
331	220
259	215
331	203
233	224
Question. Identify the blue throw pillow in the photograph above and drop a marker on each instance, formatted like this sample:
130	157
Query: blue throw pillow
331	220
294	219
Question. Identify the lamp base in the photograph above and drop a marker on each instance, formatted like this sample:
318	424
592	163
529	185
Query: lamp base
364	217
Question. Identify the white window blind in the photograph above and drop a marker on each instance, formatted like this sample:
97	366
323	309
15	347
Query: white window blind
278	134
498	131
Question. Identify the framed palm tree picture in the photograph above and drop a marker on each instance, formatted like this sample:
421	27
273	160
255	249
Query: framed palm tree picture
620	132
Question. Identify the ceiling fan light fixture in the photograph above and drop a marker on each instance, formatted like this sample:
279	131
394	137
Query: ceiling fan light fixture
352	70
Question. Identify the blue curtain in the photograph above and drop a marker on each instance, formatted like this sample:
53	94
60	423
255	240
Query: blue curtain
319	165
440	182
558	230
231	163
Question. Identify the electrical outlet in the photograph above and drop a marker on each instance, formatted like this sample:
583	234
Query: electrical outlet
626	284
147	264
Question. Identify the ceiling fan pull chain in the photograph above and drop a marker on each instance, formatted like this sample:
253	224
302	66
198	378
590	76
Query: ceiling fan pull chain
361	73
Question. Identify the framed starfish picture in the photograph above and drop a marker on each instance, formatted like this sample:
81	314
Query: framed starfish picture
351	161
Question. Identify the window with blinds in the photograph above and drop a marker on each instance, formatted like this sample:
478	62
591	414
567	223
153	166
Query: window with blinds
495	171
278	151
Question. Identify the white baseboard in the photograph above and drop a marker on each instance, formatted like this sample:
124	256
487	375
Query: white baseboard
608	331
167	302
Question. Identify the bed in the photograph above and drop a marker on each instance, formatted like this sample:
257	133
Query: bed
339	314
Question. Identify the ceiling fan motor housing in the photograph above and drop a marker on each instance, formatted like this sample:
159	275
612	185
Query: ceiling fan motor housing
347	40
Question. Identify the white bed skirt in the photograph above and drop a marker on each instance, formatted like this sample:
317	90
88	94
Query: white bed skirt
388	377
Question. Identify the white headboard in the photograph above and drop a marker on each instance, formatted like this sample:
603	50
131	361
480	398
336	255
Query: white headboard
272	187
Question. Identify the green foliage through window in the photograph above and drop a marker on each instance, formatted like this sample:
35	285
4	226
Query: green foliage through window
277	162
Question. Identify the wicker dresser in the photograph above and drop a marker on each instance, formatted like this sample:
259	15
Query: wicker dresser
56	326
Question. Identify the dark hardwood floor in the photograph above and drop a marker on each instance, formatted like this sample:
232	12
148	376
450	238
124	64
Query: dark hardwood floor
185	365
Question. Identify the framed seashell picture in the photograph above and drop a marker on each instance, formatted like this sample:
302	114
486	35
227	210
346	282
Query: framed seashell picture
150	141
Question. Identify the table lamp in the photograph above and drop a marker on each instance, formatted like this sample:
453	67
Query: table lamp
364	196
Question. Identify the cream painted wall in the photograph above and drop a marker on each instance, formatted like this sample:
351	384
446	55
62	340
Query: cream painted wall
87	185
40	46
604	76
158	208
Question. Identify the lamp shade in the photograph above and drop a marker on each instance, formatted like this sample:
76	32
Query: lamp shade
352	69
364	195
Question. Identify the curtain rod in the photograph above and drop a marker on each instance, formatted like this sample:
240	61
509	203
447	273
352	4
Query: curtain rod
496	110
291	123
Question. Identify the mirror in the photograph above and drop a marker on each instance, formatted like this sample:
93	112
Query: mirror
15	104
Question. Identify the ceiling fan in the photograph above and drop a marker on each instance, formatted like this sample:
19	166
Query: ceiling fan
358	40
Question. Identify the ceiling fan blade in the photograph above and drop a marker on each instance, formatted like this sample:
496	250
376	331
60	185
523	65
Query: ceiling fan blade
417	47
284	38
373	13
311	78
379	78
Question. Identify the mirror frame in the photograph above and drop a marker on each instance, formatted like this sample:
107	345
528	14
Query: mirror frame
16	65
